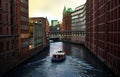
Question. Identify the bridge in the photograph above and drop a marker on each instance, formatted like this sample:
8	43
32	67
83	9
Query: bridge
73	36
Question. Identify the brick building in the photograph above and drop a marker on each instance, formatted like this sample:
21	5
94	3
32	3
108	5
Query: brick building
66	21
9	50
103	31
23	28
47	25
13	33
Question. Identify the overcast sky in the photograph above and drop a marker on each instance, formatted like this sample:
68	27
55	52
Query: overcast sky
52	9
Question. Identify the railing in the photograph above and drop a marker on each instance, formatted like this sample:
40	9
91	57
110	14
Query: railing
65	33
73	36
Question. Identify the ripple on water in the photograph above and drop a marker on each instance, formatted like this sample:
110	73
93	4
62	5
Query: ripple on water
73	66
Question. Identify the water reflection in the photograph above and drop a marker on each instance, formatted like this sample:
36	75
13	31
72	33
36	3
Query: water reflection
79	63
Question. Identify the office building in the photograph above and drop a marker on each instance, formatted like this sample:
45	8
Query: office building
55	25
78	24
79	19
38	32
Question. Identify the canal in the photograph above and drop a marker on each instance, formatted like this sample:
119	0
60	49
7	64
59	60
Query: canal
79	63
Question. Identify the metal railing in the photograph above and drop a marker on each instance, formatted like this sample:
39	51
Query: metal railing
58	34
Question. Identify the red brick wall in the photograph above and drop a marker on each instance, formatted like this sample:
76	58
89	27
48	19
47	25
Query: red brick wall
66	25
23	22
103	31
8	35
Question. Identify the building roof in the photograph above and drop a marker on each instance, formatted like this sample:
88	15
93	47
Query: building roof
67	10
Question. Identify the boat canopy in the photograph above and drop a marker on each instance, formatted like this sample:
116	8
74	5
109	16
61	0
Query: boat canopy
59	53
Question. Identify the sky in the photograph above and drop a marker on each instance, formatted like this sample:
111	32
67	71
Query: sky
52	9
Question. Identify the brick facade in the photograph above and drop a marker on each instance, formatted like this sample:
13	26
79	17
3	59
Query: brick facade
23	28
66	21
8	34
103	31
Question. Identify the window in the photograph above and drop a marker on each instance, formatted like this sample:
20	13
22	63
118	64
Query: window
6	6
0	18
7	18
7	30
24	18
24	44
23	10
7	45
0	30
1	46
24	27
24	1
24	35
0	4
16	43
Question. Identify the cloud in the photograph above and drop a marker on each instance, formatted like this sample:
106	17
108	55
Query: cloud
51	8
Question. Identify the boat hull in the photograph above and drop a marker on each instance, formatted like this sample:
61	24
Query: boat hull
58	60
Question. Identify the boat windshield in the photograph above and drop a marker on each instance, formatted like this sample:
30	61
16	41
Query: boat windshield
60	51
58	56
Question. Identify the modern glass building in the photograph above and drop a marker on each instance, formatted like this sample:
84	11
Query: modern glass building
37	31
55	26
79	18
37	34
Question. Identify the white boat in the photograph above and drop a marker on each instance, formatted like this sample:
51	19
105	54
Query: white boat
58	56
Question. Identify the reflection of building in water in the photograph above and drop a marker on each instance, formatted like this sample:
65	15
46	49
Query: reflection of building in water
67	48
89	57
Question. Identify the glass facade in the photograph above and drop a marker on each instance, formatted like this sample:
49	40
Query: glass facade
24	1
23	10
24	44
24	27
79	18
37	34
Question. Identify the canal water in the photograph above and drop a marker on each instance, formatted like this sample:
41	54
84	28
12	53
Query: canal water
79	63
